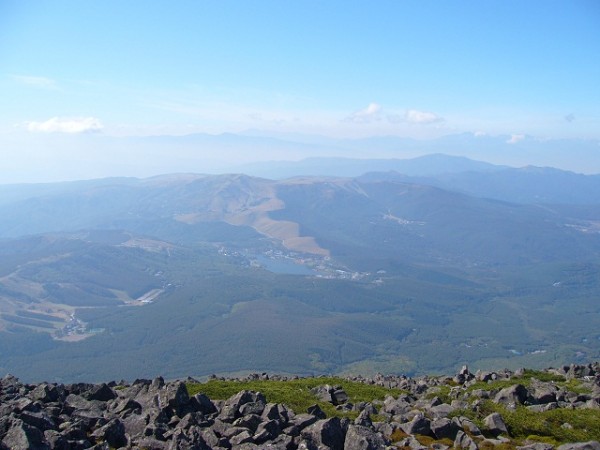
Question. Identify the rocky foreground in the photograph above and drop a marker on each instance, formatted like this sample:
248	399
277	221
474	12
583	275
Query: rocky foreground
431	412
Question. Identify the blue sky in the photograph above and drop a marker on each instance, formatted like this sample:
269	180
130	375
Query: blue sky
347	69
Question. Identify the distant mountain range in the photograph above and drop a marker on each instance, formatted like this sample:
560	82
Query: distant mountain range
269	154
412	265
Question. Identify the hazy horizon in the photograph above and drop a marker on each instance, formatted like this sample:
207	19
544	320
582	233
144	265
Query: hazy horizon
84	85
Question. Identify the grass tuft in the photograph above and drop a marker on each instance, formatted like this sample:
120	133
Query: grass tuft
295	393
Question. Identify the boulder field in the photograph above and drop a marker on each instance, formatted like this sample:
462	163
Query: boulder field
431	412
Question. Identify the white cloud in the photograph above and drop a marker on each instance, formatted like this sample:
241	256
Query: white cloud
421	117
63	125
38	82
514	138
369	114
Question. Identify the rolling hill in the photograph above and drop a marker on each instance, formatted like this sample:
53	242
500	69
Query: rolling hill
195	274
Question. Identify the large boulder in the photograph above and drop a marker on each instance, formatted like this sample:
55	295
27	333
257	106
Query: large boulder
495	424
235	406
113	433
591	445
326	434
362	438
418	425
444	428
22	436
463	440
331	394
512	396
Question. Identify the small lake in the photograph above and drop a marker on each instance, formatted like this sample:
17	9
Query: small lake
283	265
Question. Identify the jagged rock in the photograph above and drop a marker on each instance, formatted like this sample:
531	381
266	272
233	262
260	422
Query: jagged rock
303	420
411	442
56	441
364	419
100	392
39	420
241	438
46	393
418	425
134	424
468	425
203	404
543	393
512	395
444	428
362	438
442	410
266	431
331	394
250	421
277	411
161	415
398	406
232	409
464	375
485	376
325	434
463	440
282	442
591	445
22	436
536	446
495	424
151	443
316	411
113	433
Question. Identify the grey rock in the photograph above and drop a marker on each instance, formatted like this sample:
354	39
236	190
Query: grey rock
232	406
250	421
469	425
444	428
303	420
276	411
252	408
463	440
495	424
512	395
325	434
151	443
543	393
331	394
22	436
591	445
266	431
364	419
56	441
100	392
113	433
134	424
396	406
442	410
411	442
362	438
316	411
39	420
203	404
241	438
418	425
46	393
536	446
